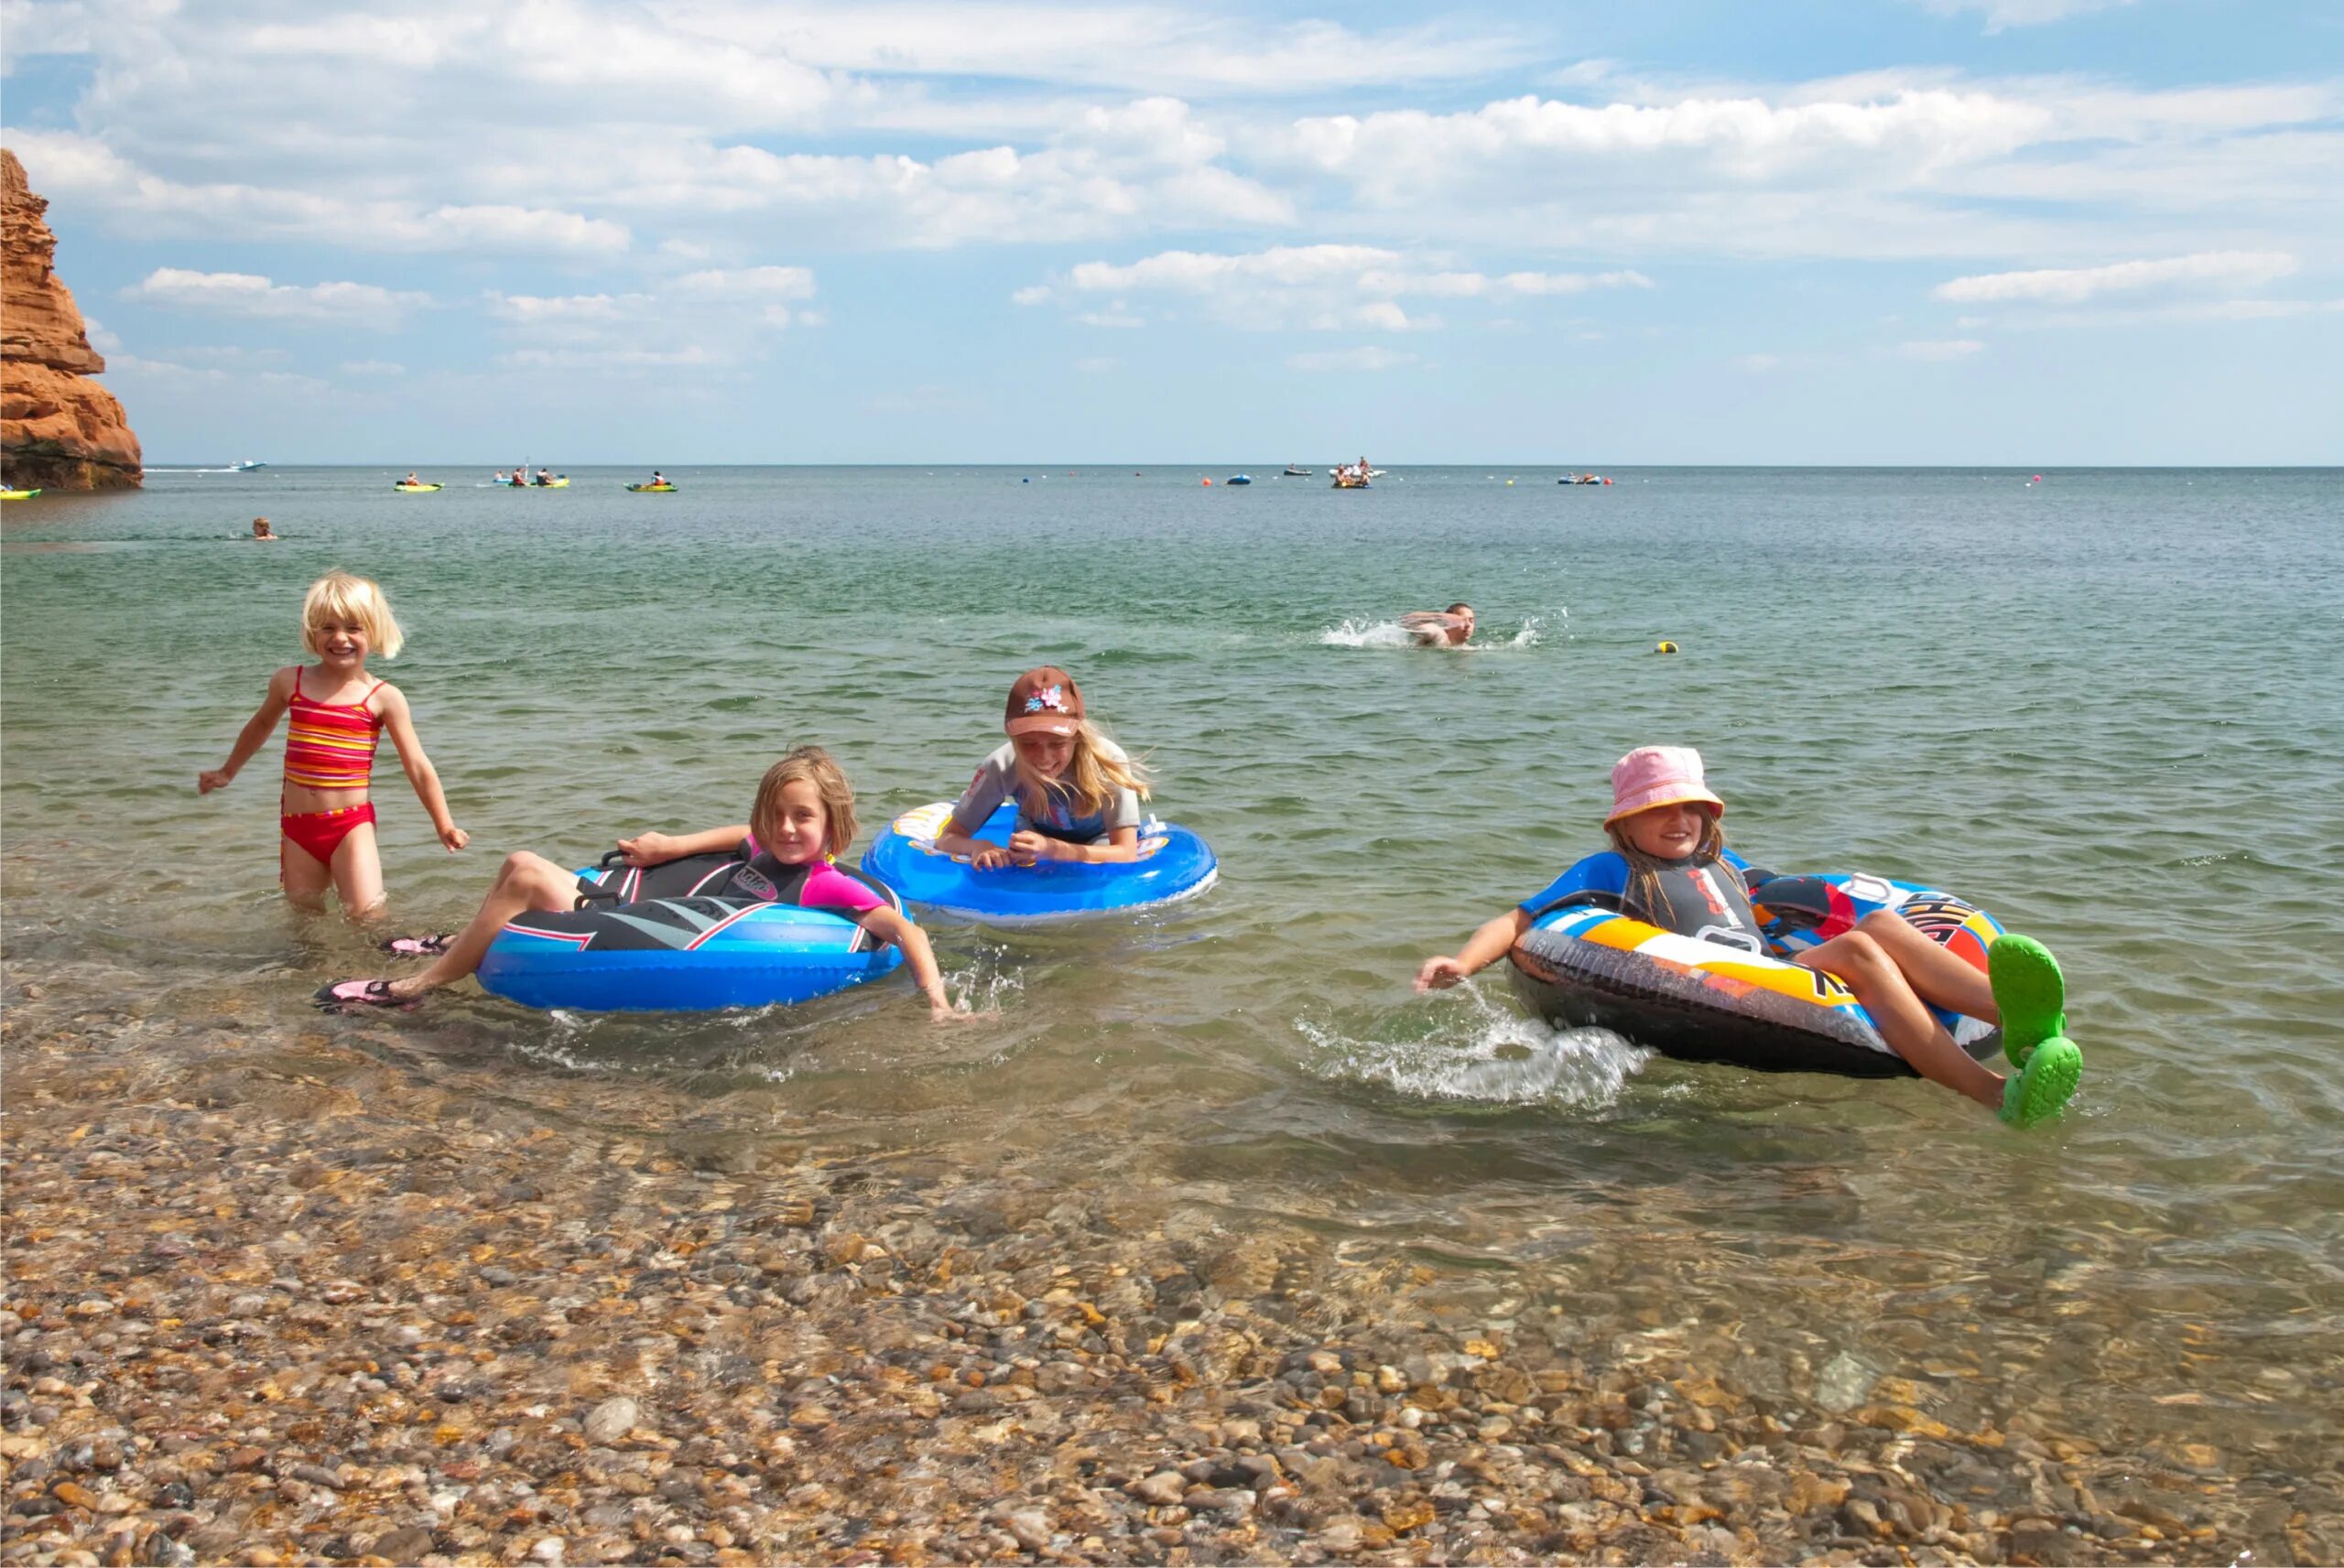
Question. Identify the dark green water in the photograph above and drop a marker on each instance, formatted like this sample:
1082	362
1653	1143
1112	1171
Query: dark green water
2108	705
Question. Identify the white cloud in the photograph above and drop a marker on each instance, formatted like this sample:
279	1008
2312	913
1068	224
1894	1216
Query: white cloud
101	338
1327	287
714	318
246	294
1757	364
87	171
1940	349
2245	269
373	368
1370	357
2001	14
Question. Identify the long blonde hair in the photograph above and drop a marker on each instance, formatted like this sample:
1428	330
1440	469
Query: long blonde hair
815	766
1644	871
339	596
1092	777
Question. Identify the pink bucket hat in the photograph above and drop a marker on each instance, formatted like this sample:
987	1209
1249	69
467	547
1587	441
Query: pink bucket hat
1658	775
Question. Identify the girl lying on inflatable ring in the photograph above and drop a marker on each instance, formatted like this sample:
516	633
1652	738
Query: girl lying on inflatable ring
1678	875
803	818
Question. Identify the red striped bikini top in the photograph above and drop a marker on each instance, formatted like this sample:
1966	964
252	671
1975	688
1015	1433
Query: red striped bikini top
331	745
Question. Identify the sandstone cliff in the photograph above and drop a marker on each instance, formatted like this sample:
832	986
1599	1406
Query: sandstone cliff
58	429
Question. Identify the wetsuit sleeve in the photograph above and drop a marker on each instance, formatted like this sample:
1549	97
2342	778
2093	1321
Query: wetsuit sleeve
984	794
827	887
1599	879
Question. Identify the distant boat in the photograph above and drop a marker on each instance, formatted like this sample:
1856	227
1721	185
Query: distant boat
1582	479
651	489
245	467
414	488
1346	479
20	494
1238	479
1295	470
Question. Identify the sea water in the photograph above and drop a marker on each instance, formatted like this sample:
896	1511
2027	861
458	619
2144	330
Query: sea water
2107	705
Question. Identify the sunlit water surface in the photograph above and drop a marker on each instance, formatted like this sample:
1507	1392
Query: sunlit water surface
2110	705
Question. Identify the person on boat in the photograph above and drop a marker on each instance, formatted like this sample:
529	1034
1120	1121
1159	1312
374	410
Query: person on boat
545	476
410	477
263	533
1450	628
1077	793
658	477
501	478
1669	867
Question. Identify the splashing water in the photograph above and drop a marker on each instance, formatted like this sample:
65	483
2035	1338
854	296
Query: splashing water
1480	1052
1365	633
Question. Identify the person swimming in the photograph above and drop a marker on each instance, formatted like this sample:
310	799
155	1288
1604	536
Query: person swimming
1449	628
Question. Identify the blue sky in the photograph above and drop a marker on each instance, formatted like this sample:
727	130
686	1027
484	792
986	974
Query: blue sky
2030	232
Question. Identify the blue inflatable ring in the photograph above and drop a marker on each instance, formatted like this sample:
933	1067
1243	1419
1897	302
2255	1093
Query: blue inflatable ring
1173	864
683	955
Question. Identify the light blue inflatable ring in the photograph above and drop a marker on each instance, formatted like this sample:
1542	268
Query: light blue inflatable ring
1173	864
681	955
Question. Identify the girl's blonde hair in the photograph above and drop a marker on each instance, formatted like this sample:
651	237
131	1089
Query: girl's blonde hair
1091	778
815	766
1644	871
337	596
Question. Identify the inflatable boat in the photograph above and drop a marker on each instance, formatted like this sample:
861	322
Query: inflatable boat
679	954
1173	864
1583	962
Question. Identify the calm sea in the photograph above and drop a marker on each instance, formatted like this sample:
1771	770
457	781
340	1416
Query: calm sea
2108	705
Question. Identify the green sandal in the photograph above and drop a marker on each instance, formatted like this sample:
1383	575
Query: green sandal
2028	992
2042	1088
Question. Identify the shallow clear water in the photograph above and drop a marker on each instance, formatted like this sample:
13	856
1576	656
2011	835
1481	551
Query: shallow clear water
2108	705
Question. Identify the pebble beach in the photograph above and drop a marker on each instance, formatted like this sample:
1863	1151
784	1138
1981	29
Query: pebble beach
270	1311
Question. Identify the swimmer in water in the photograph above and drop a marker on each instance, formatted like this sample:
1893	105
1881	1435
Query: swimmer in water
264	533
1450	628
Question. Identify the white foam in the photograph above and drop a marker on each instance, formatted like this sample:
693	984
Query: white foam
1484	1055
1364	634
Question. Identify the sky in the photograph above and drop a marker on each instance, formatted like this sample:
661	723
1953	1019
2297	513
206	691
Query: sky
678	231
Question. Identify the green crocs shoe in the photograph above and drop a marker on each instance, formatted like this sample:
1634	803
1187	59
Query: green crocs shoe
2042	1088
2028	992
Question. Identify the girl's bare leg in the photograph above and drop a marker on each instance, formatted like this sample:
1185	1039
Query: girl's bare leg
303	876
1860	960
358	873
525	881
1940	976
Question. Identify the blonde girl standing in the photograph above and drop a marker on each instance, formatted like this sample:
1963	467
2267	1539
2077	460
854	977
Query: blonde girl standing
339	715
1078	794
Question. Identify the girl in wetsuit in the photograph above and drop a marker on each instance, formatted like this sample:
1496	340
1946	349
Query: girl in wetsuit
1078	794
339	714
1669	867
802	820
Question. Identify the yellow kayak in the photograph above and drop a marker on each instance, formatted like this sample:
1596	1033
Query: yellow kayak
652	489
19	495
415	489
562	484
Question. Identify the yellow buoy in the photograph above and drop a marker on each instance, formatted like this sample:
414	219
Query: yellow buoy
1664	648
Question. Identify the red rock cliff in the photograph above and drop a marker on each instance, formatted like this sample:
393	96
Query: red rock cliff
58	429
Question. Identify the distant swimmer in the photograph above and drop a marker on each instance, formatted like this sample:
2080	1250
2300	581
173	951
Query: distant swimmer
263	533
1449	628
